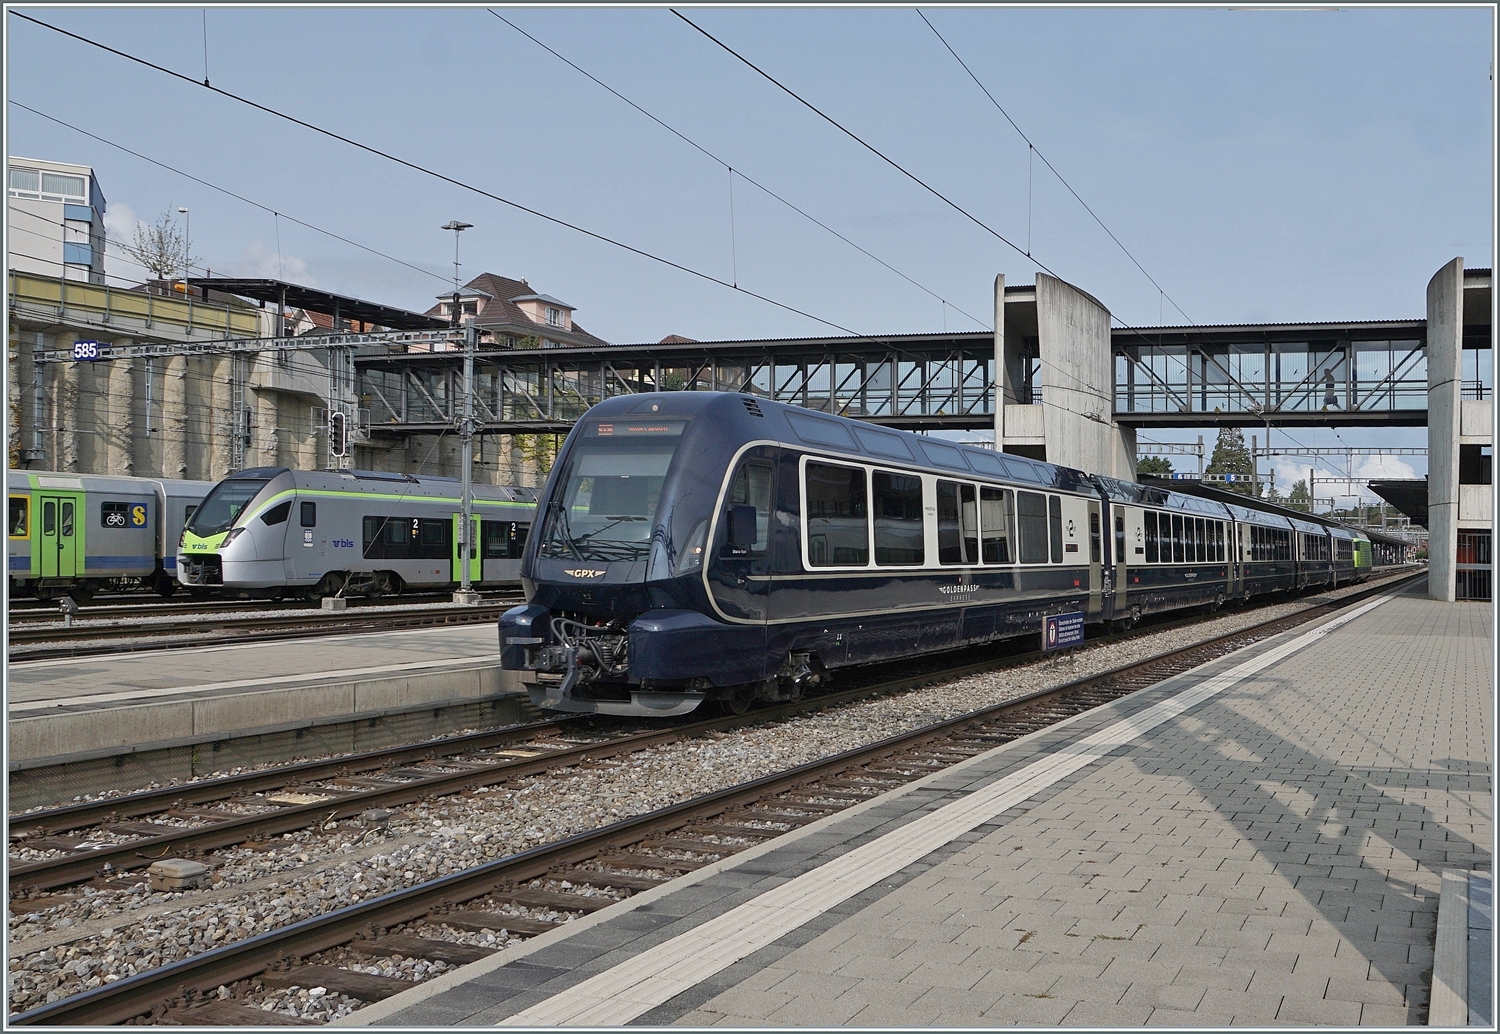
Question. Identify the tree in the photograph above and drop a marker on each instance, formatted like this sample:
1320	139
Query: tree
1232	456
1158	466
161	247
1300	499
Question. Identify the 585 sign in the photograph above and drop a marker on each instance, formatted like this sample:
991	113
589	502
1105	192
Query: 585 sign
89	351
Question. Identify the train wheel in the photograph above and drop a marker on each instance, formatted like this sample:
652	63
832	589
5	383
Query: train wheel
83	592
737	699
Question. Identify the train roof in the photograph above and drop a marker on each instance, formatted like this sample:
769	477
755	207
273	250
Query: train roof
384	481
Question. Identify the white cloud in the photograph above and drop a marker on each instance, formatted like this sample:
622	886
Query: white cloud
1290	470
120	222
259	260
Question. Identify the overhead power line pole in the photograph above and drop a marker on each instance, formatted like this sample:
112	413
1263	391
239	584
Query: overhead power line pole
466	544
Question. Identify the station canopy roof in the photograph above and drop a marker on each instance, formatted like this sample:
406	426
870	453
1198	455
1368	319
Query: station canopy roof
1409	495
295	296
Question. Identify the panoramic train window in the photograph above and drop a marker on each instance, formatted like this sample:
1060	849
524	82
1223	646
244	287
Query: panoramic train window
278	513
20	517
1119	538
1031	522
752	487
223	504
995	522
609	492
1054	526
1177	554
1200	539
958	524
1095	548
1152	553
898	519
838	528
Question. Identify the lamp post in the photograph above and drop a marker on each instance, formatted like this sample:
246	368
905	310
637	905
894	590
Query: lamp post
187	247
457	227
466	544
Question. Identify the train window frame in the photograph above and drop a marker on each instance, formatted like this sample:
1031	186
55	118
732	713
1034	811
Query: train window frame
19	528
271	516
875	518
307	514
1152	546
763	505
49	517
114	508
964	527
1055	527
1029	527
1007	528
1177	543
1096	545
65	519
808	461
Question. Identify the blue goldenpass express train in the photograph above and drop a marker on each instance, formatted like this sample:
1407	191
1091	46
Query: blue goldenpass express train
701	546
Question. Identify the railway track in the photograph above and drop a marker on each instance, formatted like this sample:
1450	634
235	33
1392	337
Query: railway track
660	844
37	642
29	612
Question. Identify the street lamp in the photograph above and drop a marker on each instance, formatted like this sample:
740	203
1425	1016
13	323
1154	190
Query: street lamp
457	227
187	248
466	543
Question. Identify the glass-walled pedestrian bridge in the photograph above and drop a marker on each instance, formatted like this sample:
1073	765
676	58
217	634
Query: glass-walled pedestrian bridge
1342	374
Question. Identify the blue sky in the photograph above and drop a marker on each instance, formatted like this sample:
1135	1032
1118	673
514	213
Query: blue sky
1261	165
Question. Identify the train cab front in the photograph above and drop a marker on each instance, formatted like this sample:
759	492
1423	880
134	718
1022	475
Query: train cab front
216	537
615	623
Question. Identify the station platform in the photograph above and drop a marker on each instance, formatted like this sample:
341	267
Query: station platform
71	710
1260	841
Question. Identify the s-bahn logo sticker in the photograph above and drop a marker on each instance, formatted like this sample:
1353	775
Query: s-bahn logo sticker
583	572
1061	630
138	516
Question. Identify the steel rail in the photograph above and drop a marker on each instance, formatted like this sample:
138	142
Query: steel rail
76	641
138	994
75	867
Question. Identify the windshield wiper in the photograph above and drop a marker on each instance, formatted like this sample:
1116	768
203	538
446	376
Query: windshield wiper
560	525
613	520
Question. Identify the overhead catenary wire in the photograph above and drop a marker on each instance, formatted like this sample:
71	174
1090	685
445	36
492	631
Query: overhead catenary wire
230	193
443	177
733	171
1032	149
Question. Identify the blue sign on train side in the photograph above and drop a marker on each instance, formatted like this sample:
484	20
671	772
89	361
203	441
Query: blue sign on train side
1062	630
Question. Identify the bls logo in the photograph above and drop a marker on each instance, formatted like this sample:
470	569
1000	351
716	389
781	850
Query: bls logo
343	543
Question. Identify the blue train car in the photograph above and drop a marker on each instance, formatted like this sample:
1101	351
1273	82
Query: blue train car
699	546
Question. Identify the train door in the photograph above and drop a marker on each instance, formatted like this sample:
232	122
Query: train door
739	569
475	563
60	538
1096	563
1121	559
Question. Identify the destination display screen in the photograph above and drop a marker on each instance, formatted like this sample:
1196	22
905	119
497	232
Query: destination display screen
636	428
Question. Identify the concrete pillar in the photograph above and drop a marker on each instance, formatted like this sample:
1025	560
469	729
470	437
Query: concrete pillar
65	416
1445	328
120	430
174	417
999	362
1074	341
221	428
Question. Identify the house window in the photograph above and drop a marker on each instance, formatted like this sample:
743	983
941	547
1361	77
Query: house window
54	183
554	317
25	182
78	254
471	308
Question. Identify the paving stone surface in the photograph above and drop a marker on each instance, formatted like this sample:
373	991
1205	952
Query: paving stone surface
1272	857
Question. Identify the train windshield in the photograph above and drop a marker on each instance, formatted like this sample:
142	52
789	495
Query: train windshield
607	497
221	506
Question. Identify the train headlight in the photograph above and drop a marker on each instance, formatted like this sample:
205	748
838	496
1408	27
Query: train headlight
233	534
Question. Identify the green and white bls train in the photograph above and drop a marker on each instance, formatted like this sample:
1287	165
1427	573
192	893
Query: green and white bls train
275	531
74	534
